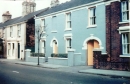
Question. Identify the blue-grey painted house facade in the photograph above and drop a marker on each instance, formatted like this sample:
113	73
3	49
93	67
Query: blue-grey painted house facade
77	25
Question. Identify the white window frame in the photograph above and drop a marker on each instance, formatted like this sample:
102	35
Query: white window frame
42	46
9	49
11	31
68	21
68	44
125	10
4	33
19	30
43	25
125	43
67	36
92	16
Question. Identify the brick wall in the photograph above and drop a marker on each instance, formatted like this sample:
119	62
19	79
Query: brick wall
112	35
113	38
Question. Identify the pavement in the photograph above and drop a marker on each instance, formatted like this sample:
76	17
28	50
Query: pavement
74	69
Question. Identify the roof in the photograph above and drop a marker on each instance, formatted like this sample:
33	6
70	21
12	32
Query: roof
21	18
63	6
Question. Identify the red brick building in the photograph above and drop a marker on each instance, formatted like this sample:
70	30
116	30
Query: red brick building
117	37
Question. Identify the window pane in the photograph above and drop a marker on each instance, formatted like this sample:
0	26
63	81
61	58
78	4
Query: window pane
92	16
125	43
127	15
125	10
93	11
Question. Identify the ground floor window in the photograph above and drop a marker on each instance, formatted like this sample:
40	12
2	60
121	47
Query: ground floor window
68	44
126	43
42	45
9	47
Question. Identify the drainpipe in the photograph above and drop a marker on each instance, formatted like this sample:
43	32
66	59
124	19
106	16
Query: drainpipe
110	34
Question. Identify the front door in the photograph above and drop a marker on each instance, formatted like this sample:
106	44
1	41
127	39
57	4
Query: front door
18	50
55	48
90	46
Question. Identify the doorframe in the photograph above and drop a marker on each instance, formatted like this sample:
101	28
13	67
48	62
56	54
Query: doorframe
92	43
92	38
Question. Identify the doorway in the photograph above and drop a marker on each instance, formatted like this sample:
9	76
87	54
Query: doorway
91	44
55	48
18	50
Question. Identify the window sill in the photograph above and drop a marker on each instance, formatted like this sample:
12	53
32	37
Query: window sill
124	22
68	29
53	31
91	26
125	55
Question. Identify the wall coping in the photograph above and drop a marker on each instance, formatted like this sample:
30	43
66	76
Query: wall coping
77	53
97	49
36	57
71	50
27	50
57	58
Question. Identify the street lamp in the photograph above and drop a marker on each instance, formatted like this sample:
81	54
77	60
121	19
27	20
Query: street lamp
40	34
39	37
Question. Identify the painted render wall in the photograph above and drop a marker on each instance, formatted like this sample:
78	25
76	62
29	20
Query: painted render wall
15	39
80	31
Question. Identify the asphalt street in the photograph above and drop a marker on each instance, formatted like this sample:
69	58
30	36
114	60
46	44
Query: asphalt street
20	74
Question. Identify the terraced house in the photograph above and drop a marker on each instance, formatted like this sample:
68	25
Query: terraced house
18	33
95	31
77	25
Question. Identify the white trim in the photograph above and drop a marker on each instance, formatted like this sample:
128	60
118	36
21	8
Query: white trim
53	31
16	24
51	43
124	22
77	54
53	16
70	50
73	8
128	55
92	37
104	53
97	49
43	38
68	29
57	58
67	36
124	29
91	26
27	50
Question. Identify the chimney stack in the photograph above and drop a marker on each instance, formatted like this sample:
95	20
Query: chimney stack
54	3
28	6
6	16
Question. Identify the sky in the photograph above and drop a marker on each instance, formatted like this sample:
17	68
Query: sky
15	7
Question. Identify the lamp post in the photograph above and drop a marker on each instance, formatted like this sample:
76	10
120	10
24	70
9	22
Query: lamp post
38	47
39	38
40	34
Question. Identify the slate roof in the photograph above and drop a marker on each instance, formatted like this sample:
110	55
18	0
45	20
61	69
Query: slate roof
21	18
63	6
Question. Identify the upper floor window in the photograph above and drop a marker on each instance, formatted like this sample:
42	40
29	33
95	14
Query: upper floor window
19	30
54	23
125	10
43	24
4	33
11	31
92	16
68	20
126	43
